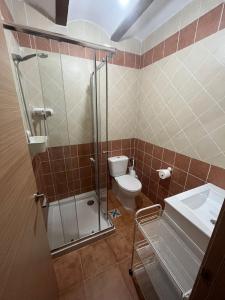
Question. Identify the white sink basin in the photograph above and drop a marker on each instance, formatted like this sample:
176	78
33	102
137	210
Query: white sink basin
196	211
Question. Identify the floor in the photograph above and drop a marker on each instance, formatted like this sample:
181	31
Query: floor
64	226
100	270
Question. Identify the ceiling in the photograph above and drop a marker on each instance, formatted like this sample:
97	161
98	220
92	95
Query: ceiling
109	14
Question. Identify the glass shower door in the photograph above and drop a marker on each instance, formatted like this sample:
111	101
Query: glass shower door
71	111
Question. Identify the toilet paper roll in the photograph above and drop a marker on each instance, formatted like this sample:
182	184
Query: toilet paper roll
164	173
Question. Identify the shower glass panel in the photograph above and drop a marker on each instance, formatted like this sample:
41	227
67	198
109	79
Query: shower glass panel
62	90
62	214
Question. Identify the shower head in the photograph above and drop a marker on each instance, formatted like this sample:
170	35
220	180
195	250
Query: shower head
18	58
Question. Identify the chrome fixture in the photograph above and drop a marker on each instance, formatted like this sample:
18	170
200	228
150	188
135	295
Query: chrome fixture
55	36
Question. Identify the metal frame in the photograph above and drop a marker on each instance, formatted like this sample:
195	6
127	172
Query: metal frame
56	36
83	241
110	51
136	218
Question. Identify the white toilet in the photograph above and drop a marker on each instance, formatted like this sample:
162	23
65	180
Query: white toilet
124	186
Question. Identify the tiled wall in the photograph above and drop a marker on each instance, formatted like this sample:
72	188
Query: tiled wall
122	58
182	101
66	171
204	26
187	172
190	13
180	106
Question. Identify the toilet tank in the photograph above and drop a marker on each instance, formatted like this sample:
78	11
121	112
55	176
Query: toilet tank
118	165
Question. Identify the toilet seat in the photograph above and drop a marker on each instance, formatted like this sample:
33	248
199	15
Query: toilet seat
129	183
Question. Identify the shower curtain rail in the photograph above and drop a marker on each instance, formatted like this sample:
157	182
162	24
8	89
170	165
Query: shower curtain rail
56	36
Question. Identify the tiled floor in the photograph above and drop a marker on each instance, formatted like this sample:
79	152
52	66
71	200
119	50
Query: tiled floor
100	270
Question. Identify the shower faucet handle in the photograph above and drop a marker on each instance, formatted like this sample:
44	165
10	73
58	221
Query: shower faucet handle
92	160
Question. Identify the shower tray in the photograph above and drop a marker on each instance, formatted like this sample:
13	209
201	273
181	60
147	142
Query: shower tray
169	258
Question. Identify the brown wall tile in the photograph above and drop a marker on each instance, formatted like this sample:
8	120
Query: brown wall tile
54	45
187	35
182	162
156	163
171	44
118	58
168	156
148	148
89	53
129	60
147	159
84	149
179	176
148	57
58	165
157	152
24	39
193	182
140	145
64	48
199	169
217	176
116	145
175	188
77	51
158	52
42	44
138	61
222	22
209	23
84	161
126	143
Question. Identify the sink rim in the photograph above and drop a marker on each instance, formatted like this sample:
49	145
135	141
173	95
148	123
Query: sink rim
176	202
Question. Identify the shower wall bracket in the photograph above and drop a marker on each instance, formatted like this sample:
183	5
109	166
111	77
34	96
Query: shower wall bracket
41	112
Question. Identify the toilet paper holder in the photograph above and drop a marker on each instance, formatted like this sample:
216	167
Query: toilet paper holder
164	173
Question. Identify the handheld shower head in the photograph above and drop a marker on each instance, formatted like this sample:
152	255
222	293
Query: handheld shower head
18	58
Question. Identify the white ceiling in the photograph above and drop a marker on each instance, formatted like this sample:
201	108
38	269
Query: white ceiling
110	13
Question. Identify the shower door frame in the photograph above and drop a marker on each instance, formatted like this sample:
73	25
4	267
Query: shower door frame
97	129
109	51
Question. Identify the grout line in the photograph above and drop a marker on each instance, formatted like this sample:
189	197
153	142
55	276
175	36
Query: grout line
196	29
188	172
222	10
207	177
178	41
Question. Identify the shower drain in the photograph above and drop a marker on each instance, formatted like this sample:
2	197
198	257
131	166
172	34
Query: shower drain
90	202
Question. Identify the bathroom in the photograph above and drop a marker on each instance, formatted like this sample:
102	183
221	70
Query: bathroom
112	153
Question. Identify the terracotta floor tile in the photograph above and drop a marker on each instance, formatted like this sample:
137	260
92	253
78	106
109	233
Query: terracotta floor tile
68	270
76	292
96	258
100	270
120	246
108	285
124	267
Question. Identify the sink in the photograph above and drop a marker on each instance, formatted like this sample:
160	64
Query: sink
196	212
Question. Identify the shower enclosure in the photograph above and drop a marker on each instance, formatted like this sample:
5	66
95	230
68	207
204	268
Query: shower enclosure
63	91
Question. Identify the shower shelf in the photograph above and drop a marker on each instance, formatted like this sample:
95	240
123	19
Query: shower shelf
170	258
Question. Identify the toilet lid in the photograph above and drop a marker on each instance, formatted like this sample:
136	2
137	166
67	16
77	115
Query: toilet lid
129	183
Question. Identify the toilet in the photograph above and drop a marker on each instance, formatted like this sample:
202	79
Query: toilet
124	186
